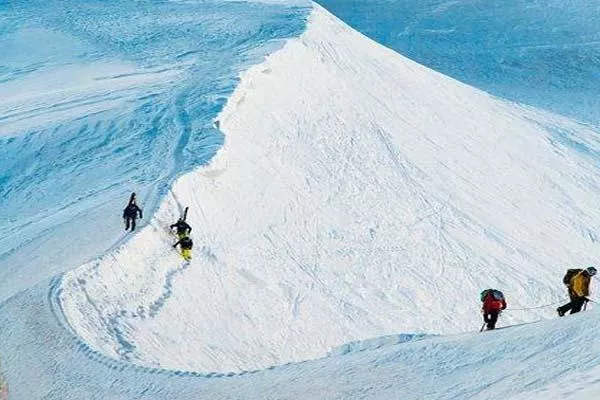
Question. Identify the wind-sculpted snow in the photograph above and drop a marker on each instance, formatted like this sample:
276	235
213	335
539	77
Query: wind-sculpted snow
101	98
358	194
377	343
544	53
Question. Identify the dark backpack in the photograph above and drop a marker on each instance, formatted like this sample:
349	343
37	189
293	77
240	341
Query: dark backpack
570	274
496	294
186	243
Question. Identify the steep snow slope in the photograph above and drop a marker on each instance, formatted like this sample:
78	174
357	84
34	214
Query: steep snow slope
357	194
554	359
101	98
543	53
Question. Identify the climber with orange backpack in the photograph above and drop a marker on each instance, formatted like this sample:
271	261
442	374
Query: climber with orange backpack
493	304
578	285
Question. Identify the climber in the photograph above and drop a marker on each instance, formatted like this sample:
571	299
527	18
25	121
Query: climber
131	212
183	228
578	286
186	244
493	304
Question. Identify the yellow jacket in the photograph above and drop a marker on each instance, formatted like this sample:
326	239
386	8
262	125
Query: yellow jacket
580	284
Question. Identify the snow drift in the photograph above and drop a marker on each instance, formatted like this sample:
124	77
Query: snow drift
358	194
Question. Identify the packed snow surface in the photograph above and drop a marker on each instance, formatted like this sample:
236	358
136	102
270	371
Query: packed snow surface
358	206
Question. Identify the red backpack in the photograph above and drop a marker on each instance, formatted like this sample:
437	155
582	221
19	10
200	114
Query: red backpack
493	300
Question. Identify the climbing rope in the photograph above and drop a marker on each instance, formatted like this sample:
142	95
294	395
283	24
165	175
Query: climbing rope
534	308
543	306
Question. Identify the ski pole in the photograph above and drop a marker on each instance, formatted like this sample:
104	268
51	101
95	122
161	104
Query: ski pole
482	326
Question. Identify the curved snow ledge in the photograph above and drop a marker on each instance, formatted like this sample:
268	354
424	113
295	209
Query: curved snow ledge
377	343
358	194
542	361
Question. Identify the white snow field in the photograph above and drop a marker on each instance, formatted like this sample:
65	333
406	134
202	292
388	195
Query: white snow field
343	232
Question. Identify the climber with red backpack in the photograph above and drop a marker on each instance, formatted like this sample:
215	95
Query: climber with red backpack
578	285
493	304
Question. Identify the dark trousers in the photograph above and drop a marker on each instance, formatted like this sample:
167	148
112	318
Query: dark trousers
574	305
130	221
490	318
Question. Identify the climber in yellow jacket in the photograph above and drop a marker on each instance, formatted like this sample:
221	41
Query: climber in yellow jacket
578	284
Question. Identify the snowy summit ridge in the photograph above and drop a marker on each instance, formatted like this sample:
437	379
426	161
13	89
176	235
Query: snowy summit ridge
367	183
357	195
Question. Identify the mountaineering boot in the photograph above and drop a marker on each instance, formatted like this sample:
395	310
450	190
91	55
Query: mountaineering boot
560	312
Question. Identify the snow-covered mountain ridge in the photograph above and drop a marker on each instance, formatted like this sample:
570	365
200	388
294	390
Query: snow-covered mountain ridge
357	194
355	191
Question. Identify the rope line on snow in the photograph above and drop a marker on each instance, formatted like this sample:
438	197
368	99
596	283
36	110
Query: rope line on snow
543	306
534	308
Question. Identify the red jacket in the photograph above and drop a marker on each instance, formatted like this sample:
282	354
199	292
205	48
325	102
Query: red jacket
490	304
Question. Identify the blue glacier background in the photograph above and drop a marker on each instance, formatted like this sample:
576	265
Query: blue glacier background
542	53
